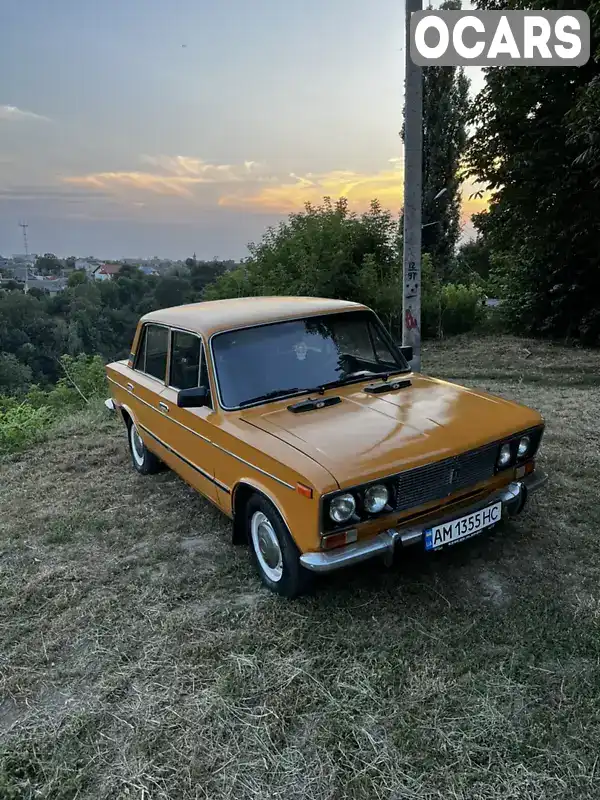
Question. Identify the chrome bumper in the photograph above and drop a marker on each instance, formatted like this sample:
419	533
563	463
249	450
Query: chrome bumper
513	498
110	404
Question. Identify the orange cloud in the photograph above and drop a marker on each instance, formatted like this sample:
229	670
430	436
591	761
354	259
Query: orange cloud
249	186
387	186
172	175
142	181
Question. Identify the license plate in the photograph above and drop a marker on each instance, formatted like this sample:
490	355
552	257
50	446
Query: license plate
463	527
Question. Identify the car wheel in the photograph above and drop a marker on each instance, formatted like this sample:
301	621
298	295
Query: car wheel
145	462
274	551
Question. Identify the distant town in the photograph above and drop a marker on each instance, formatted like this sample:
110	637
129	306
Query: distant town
51	274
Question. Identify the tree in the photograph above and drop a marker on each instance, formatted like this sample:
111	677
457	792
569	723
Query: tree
535	144
76	277
445	114
202	273
472	263
48	264
327	251
15	377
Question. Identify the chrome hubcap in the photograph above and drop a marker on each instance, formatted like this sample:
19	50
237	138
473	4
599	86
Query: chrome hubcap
137	446
266	546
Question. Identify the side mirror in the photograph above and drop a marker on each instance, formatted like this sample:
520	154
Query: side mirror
196	397
407	352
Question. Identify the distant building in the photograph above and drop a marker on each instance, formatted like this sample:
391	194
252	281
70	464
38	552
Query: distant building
18	271
148	270
51	285
21	258
87	264
106	272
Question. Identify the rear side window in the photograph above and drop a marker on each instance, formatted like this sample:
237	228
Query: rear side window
152	357
185	360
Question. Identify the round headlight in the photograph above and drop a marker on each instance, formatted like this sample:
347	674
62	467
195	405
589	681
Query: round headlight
505	456
376	498
523	446
342	507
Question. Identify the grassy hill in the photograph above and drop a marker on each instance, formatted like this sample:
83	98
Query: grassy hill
141	658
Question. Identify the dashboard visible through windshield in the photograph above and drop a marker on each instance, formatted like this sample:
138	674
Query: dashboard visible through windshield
286	358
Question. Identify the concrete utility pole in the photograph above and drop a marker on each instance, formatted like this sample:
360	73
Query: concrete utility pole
413	143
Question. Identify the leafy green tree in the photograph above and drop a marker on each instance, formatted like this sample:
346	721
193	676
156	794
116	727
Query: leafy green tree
536	146
202	273
15	377
77	277
29	333
325	251
445	113
472	262
48	264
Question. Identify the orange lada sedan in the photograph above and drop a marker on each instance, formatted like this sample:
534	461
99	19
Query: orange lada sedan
301	419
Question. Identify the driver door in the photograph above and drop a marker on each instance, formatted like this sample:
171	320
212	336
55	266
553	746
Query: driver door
190	429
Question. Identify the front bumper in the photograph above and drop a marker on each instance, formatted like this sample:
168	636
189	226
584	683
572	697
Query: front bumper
110	404
513	497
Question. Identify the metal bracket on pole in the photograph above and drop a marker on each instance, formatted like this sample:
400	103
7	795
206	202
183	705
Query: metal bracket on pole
413	143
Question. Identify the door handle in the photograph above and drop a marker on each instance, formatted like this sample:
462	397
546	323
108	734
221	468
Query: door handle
130	387
163	407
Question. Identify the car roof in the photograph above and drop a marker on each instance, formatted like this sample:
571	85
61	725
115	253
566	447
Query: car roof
213	316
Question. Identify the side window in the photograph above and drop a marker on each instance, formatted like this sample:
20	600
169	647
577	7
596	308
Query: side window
140	358
204	379
156	344
185	360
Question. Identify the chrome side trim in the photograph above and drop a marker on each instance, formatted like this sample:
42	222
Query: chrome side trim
209	441
191	464
384	543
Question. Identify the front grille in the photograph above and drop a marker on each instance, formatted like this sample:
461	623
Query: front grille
422	485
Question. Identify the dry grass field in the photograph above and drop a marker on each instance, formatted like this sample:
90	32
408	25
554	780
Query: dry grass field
141	658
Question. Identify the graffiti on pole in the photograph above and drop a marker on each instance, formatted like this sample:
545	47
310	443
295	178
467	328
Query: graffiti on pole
410	321
411	285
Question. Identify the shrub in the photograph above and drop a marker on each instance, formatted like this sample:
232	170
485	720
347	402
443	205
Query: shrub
449	309
462	308
25	423
22	425
83	379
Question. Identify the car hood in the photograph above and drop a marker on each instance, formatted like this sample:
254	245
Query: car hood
368	436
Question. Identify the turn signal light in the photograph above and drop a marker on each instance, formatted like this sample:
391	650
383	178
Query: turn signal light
339	539
526	469
304	490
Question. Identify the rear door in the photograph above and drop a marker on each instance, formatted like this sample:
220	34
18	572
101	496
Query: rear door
189	429
146	380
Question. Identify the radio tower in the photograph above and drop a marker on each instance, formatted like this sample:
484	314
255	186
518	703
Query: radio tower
24	225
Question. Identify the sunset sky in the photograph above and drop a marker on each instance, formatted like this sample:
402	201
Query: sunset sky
141	127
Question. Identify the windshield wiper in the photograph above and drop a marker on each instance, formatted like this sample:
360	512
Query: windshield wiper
349	378
385	375
270	395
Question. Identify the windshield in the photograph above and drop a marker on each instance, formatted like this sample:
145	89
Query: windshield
263	362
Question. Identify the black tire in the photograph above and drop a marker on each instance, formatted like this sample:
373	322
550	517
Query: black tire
144	462
294	579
